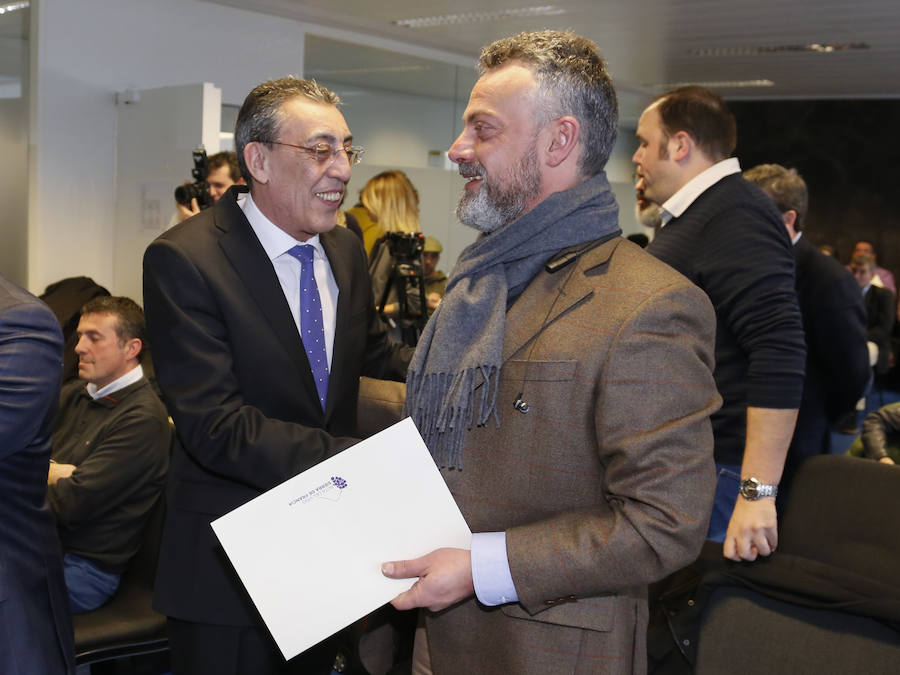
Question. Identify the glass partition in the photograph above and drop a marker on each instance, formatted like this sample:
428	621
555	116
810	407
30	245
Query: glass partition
405	110
14	53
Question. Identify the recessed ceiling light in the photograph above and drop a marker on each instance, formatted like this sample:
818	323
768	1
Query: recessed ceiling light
776	49
478	17
721	84
13	6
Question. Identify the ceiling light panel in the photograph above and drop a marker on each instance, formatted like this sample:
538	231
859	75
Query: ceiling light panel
478	17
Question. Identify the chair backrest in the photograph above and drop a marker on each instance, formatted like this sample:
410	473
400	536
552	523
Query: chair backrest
841	513
828	600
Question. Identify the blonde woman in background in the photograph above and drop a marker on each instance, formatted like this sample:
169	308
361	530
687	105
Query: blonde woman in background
390	205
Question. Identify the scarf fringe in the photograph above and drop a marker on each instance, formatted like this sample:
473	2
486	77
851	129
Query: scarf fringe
453	405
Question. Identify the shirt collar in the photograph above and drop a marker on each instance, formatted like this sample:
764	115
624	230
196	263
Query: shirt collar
128	378
796	238
678	203
275	241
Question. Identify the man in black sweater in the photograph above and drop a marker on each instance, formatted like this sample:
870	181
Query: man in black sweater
727	237
110	452
834	320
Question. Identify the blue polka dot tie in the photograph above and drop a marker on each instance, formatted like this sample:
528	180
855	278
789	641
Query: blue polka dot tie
312	328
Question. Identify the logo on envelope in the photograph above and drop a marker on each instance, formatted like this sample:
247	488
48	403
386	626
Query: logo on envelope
331	491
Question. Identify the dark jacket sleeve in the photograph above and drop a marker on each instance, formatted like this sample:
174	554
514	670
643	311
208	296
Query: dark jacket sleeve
836	338
881	317
876	427
30	368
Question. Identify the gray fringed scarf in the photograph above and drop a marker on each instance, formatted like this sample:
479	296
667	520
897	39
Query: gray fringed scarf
454	375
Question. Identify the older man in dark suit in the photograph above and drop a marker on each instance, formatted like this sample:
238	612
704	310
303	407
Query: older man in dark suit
261	322
35	623
564	385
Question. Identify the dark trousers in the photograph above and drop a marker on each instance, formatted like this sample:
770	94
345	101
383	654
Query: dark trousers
206	649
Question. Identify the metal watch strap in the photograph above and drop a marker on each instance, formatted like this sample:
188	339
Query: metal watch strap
752	489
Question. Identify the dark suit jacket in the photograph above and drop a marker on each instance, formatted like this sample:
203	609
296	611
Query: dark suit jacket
35	622
881	315
237	383
837	361
606	484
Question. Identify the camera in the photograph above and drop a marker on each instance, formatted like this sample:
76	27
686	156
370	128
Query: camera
406	248
199	189
406	277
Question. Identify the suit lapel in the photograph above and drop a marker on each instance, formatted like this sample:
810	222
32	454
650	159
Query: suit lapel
549	297
249	259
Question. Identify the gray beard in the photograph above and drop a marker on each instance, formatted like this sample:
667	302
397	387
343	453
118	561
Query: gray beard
493	206
650	216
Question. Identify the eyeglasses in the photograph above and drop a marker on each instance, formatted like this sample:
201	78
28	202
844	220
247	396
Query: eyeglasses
324	153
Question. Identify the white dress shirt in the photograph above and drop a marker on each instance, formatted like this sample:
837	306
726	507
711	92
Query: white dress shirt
696	186
130	377
276	243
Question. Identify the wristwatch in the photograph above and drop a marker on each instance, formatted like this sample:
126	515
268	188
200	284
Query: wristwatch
752	489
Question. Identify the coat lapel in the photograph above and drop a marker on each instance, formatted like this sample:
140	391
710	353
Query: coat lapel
343	278
551	296
252	265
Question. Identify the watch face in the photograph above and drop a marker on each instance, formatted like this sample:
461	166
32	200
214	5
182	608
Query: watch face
749	489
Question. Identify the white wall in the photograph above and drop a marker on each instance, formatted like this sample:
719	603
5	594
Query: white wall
82	54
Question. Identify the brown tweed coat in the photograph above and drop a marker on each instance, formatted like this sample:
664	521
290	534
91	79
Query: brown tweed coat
606	484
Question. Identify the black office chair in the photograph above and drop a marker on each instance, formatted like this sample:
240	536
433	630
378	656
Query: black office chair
127	625
828	601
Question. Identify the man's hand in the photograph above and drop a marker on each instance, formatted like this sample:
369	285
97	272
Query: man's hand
886	460
752	530
445	578
185	212
58	471
433	300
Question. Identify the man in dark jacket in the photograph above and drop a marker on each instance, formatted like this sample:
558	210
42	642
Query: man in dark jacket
35	624
879	310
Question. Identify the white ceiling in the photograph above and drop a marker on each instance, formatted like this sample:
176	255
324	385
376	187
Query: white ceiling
648	43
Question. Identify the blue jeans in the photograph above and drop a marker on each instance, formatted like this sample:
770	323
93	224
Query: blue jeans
89	586
728	482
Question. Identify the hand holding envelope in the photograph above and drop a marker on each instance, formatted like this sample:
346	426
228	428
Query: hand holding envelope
445	578
310	551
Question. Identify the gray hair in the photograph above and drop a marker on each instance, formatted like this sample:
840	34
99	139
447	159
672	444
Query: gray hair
785	187
572	80
259	119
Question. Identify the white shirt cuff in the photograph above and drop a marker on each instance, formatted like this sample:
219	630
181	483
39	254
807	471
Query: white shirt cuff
490	569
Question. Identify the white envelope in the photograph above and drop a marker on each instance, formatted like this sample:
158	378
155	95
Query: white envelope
309	551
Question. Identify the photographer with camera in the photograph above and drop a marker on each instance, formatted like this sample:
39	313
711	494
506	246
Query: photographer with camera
212	175
395	262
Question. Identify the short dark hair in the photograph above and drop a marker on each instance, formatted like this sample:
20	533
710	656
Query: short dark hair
785	186
259	119
226	157
572	80
703	115
130	321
